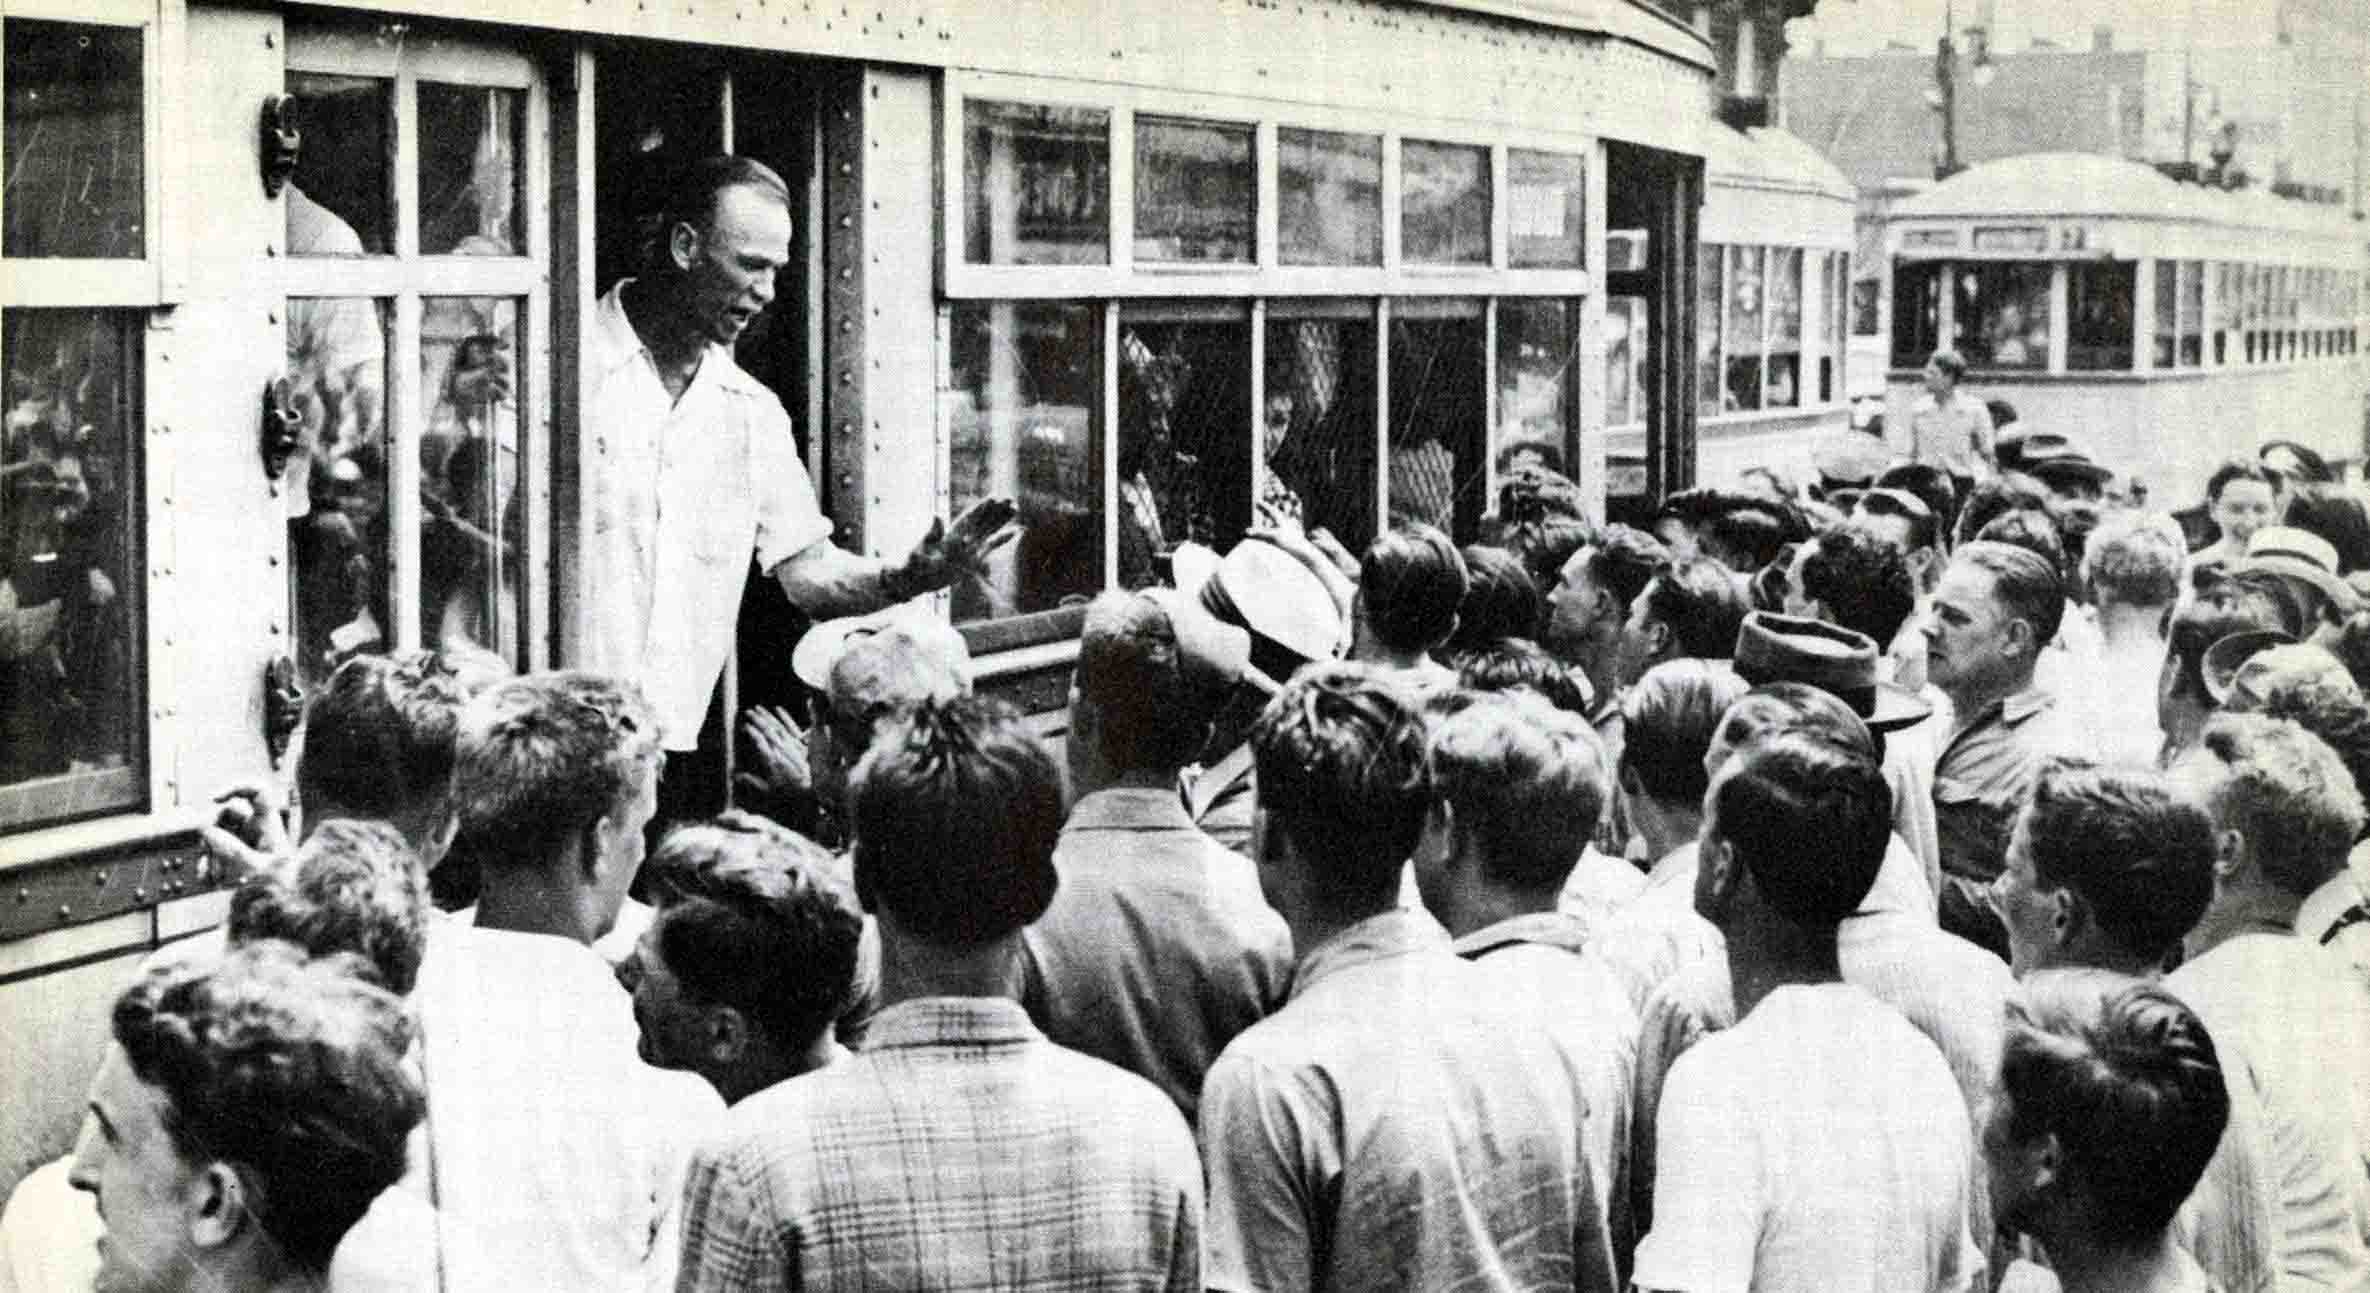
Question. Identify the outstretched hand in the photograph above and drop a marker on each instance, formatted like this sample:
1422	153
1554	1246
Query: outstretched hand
777	770
250	831
949	551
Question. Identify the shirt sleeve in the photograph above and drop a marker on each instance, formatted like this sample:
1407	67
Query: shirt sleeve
730	1240
789	520
1259	1231
1707	1188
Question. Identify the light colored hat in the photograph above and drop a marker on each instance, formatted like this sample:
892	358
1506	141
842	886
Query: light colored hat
2301	558
897	656
1834	659
2276	668
1280	600
2222	661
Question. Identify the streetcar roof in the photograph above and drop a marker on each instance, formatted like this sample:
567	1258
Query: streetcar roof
2085	184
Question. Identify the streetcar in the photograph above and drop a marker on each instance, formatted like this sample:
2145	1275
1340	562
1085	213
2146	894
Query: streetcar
295	299
2165	326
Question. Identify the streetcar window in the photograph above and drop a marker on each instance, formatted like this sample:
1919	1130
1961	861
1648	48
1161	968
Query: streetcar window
1625	360
2192	351
1184	462
1748	304
1329	197
72	716
1197	191
473	519
1710	279
1438	467
1835	277
337	482
1917	314
1545	210
2167	295
1782	374
2001	317
2099	303
75	142
1444	203
1318	426
472	171
1026	422
1036	184
341	202
1538	371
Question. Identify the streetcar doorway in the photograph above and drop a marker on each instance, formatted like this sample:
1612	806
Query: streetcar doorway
1652	198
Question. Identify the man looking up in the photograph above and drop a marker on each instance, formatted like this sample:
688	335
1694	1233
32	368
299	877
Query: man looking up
693	466
1587	608
1819	1143
959	1148
1398	1123
1690	610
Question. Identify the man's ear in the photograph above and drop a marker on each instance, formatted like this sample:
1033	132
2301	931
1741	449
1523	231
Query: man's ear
2023	638
2230	853
216	1205
2069	917
1436	842
683	244
728	1034
442	835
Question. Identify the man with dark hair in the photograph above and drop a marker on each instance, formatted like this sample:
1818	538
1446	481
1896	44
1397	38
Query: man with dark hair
1159	948
693	467
1747	533
353	887
2336	915
1851	578
1501	600
1511	664
749	957
1994	613
1690	610
1590	604
1411	583
1949	428
2111	1102
554	1154
1669	718
960	1147
1929	485
1398	1123
249	1111
1821	1142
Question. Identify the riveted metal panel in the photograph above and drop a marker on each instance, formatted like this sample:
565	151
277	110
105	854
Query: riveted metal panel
95	886
844	315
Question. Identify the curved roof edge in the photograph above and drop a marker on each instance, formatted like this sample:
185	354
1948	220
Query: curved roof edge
1770	157
1635	21
2087	184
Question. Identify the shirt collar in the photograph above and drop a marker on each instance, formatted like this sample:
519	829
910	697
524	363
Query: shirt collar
1129	808
616	343
1539	928
950	1021
1392	934
2324	905
2012	710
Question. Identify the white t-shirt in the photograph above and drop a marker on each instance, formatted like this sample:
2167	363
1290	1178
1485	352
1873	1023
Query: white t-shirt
1819	1144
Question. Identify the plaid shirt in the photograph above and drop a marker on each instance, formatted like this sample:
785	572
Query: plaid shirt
959	1150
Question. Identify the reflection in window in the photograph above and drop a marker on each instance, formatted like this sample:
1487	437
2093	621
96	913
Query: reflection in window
1197	191
337	537
1626	340
1784	372
1036	184
472	170
1329	197
1025	414
2228	292
1538	356
70	575
1184	455
341	201
2192	313
2002	318
2099	303
1917	314
2168	313
1318	426
1545	208
472	520
75	148
1836	275
1748	303
1438	471
1710	280
1443	203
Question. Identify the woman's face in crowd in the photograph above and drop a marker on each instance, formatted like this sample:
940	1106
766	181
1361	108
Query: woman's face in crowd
2243	507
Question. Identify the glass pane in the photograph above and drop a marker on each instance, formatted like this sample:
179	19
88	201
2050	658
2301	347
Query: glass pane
2099	303
337	482
70	570
1319	423
1917	314
341	201
74	149
1026	418
1711	260
1784	378
1438	472
1747	305
1537	375
2168	313
1329	191
1184	441
472	522
473	170
1037	184
2002	316
1443	204
2192	312
1197	191
1626	340
1545	209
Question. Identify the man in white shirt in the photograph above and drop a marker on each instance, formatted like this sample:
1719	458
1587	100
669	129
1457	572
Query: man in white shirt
1820	1143
553	1152
694	468
1950	428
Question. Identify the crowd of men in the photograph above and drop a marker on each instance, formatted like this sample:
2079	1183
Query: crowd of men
1873	889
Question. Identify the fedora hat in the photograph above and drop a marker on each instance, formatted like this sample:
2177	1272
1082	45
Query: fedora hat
906	641
2301	558
2222	661
1836	660
1278	599
2046	454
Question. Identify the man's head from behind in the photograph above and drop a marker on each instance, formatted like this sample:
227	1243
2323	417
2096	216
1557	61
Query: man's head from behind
1996	609
251	1108
1668	721
2134	561
1794	828
1515	782
1690	611
560	772
353	887
378	743
1339	754
1513	664
2107	867
1852	578
956	809
1153	669
865	670
749	957
2285	813
1411	583
2110	1103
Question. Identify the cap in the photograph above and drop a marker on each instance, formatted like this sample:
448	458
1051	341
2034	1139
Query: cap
1834	659
2288	664
2301	558
1210	651
2222	661
1280	599
893	657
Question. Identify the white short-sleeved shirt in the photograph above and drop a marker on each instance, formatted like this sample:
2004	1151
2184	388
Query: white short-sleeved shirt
681	493
1819	1144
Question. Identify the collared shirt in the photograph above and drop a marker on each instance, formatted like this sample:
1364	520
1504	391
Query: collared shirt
1399	1125
1221	797
1957	436
1986	769
2337	917
1599	886
1158	948
1540	959
959	1150
1819	1144
553	1154
681	493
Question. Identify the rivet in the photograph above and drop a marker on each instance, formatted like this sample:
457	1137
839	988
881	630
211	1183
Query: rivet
272	559
267	40
139	895
99	881
271	316
275	628
24	895
65	912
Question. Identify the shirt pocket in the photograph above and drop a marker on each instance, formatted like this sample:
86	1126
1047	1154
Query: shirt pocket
724	530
